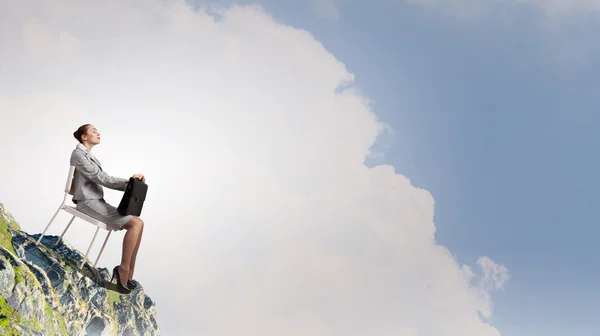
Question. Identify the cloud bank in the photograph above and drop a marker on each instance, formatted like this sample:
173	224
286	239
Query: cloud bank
261	217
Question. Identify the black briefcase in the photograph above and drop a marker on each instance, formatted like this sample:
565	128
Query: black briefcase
133	198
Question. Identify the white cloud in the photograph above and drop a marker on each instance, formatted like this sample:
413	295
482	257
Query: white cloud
255	166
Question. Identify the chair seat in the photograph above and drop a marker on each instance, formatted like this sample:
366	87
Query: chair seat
85	217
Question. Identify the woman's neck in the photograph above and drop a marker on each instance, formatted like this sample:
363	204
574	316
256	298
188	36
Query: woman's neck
88	146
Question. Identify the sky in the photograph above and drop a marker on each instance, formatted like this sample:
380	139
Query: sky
324	167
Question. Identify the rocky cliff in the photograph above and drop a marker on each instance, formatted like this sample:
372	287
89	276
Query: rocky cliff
43	292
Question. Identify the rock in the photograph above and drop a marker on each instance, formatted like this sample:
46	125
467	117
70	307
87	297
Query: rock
43	292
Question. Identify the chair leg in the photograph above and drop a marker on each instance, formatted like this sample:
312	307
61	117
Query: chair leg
103	245
64	231
48	226
89	248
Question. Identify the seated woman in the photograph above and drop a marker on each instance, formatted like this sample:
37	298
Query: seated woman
88	195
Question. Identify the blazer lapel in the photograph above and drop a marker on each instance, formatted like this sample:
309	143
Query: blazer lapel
95	161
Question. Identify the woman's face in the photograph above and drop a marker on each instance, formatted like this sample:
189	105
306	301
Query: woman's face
92	135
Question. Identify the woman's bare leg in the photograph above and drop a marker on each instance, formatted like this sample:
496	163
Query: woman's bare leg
133	228
135	251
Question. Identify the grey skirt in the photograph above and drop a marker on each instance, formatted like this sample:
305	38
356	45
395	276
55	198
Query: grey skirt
99	209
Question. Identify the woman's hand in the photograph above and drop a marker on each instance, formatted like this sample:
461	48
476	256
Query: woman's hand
139	177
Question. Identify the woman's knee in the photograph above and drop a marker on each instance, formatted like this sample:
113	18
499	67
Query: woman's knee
138	222
134	223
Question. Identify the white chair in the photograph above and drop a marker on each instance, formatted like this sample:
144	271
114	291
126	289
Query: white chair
71	210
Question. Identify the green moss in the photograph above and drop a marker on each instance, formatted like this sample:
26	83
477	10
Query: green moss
10	221
19	274
63	326
48	310
10	317
5	236
61	321
115	327
34	324
7	221
50	320
113	297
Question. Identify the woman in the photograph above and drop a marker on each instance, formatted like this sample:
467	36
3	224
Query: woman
88	196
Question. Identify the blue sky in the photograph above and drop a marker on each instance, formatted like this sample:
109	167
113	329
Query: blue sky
497	117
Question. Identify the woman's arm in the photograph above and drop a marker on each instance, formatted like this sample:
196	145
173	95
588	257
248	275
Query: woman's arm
93	173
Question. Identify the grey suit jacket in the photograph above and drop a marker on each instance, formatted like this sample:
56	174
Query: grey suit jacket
89	177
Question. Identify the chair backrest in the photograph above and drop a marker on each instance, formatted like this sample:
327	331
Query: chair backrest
70	181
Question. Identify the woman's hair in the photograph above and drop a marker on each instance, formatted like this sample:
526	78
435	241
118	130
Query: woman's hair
81	131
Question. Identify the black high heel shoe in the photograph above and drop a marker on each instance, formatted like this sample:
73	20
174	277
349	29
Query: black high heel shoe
131	285
123	289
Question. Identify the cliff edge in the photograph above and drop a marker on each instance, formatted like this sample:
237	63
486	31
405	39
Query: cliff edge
43	292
